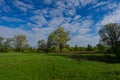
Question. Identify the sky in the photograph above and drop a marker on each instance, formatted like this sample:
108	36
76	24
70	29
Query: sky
38	18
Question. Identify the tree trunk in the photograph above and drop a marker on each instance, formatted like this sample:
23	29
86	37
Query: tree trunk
60	48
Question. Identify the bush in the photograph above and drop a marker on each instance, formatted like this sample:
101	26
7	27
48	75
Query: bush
65	50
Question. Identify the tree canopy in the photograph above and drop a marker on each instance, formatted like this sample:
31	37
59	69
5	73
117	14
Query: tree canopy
110	35
59	37
19	42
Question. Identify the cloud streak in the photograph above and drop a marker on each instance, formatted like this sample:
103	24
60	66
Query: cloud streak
22	6
11	19
113	17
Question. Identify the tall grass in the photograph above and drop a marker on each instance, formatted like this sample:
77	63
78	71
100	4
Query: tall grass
48	67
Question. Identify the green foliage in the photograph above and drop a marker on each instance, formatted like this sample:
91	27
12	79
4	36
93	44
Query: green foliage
76	48
100	47
82	48
1	43
65	49
42	45
49	67
28	49
89	48
19	42
59	37
95	48
110	35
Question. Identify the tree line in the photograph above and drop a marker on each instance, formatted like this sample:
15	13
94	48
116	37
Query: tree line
16	44
57	42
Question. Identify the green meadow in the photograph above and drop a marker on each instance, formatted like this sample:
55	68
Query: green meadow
18	66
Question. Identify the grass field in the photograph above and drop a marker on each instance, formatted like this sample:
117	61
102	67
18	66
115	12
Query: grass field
48	67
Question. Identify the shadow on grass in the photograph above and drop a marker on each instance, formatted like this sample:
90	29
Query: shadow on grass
97	57
109	58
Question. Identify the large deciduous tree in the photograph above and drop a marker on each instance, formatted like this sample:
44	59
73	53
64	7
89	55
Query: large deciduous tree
110	35
19	42
58	38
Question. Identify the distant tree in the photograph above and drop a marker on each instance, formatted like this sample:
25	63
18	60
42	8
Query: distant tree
76	48
89	47
27	48
7	45
67	46
94	48
110	35
19	42
82	48
59	37
42	45
100	47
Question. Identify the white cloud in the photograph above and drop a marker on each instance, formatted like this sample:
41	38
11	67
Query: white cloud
80	3
111	6
7	32
71	27
48	2
86	2
22	6
112	17
77	17
83	31
31	25
101	4
86	23
56	22
11	19
76	3
44	31
105	6
66	7
39	20
60	5
55	13
81	28
84	40
71	12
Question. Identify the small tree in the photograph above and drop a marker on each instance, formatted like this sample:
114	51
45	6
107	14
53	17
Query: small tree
7	45
59	37
76	48
100	47
89	47
42	45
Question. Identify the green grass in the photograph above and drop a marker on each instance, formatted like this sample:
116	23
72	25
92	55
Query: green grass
19	66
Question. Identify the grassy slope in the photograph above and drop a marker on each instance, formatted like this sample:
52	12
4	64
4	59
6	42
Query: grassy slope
48	67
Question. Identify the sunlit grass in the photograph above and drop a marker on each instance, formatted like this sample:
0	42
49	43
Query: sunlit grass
17	66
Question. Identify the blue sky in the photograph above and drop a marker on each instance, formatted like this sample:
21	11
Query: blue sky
38	18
